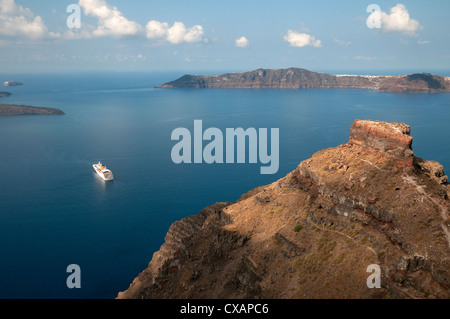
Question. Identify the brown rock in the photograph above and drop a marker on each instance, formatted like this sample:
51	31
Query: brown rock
349	185
435	169
392	138
372	199
333	166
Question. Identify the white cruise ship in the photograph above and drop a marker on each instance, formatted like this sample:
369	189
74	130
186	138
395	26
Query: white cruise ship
103	172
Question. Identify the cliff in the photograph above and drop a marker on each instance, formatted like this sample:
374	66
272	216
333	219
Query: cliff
295	78
10	110
313	233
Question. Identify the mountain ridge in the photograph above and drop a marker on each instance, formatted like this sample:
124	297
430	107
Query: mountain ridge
297	78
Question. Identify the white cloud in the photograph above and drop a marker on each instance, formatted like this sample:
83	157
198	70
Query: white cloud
398	20
111	22
342	42
17	21
175	34
423	42
156	29
242	42
300	40
365	58
124	58
8	6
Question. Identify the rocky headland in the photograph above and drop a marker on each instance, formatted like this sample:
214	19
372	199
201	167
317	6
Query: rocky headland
296	78
11	110
313	233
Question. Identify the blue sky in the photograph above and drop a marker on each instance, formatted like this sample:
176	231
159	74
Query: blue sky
220	36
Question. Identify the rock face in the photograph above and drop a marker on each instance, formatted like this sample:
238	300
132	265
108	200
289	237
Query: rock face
392	138
296	78
10	110
434	169
314	233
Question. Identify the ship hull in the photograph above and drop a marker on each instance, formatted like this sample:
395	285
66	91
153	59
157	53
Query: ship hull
105	177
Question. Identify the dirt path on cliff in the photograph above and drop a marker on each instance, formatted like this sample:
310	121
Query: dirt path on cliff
370	163
420	189
345	235
442	209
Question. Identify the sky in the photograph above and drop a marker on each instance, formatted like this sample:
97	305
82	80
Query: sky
207	37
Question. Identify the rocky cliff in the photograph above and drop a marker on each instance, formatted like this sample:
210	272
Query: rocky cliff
295	78
313	233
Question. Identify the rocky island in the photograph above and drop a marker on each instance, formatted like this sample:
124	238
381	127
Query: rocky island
11	109
316	232
5	94
296	78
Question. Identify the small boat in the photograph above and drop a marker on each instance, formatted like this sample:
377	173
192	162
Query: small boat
103	172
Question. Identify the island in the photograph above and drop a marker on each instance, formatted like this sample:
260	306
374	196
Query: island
10	110
12	83
297	78
5	94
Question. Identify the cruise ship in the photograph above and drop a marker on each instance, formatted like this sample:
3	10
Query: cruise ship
103	172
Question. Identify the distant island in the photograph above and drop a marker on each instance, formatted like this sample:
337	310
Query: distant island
296	78
10	110
12	83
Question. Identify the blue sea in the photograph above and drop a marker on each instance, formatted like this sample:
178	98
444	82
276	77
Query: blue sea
55	211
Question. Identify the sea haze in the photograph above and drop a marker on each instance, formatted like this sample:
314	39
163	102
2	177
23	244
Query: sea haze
54	210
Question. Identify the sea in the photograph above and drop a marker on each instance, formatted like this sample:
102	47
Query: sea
56	212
